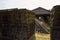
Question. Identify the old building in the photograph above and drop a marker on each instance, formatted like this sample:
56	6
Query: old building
42	13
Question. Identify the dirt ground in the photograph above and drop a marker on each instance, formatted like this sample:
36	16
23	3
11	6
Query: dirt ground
41	36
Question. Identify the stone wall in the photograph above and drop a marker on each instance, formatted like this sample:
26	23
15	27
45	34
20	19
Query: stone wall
16	24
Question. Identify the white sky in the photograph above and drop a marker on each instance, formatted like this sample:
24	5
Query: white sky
29	4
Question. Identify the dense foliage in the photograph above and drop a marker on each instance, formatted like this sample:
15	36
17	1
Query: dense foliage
16	24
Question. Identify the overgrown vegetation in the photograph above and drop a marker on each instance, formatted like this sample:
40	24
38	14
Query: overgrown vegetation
17	24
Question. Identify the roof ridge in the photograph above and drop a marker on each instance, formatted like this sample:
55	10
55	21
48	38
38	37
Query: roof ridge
40	8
